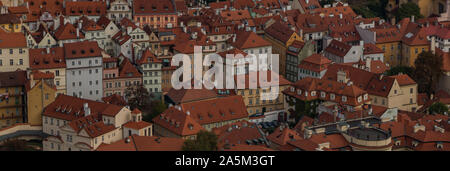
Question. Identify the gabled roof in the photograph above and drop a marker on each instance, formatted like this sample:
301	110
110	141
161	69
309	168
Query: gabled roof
82	49
67	31
13	79
315	62
40	59
220	110
144	143
128	70
12	40
403	79
178	122
148	57
189	95
370	48
279	31
248	39
88	8
115	99
236	133
153	7
71	108
338	48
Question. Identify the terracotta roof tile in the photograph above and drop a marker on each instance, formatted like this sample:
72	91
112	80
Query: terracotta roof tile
144	143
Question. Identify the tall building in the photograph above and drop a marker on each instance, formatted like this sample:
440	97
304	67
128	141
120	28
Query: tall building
13	87
13	52
84	70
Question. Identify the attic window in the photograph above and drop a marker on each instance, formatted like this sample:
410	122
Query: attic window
44	3
74	52
82	51
57	3
91	50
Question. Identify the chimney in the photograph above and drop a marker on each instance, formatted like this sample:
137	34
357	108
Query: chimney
87	110
340	16
188	112
48	50
60	44
80	24
412	18
78	33
393	21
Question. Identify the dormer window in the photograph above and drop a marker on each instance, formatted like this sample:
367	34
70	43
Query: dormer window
344	98
299	92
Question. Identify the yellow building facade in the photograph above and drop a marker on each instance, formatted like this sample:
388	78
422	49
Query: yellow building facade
38	97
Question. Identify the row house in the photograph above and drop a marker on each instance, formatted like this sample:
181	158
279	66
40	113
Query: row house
41	93
295	54
155	13
122	45
50	60
75	124
389	39
327	93
68	33
11	23
386	91
144	143
341	52
305	5
281	37
42	10
84	71
110	29
187	119
251	43
117	79
371	51
153	41
42	38
13	90
92	31
14	52
256	98
314	66
93	10
138	35
118	10
151	68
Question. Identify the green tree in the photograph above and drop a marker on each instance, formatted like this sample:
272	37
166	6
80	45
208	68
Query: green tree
138	97
407	10
400	69
156	108
427	71
205	141
438	108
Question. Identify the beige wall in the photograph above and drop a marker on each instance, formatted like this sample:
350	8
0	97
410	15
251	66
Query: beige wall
16	56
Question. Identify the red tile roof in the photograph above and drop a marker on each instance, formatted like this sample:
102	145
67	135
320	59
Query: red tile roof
246	80
338	48
71	108
144	143
279	31
370	48
115	99
190	95
310	84
137	125
281	136
404	79
88	8
221	109
40	59
248	39
236	133
82	49
128	70
315	62
153	7
148	57
12	40
177	122
67	31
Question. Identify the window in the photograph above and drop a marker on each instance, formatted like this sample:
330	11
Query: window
11	62
411	90
1	62
11	51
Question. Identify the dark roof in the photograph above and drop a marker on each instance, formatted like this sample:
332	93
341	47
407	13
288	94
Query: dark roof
13	79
